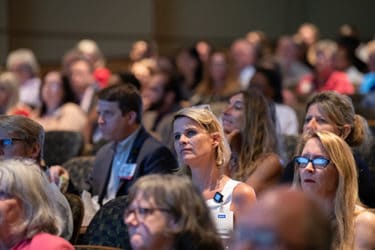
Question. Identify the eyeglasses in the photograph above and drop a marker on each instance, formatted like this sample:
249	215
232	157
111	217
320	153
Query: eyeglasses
9	141
142	212
318	162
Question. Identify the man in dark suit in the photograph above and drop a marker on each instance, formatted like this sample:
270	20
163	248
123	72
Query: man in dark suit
131	152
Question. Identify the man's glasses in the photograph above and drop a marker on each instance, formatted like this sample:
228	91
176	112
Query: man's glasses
9	141
318	162
142	212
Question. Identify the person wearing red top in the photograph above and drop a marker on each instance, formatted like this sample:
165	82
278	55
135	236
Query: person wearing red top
325	77
43	241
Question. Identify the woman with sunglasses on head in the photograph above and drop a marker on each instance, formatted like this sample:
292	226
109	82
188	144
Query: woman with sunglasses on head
325	170
167	212
201	145
334	112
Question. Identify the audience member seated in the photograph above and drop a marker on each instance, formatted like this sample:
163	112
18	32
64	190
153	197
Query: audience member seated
284	219
190	71
348	36
29	213
162	95
22	137
308	34
9	96
204	49
141	50
91	49
262	43
81	79
168	212
292	69
218	83
324	76
131	151
368	83
58	110
270	83
143	70
23	64
325	170
201	145
344	61
333	112
244	57
249	127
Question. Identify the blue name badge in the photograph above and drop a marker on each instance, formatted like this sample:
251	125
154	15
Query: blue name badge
221	216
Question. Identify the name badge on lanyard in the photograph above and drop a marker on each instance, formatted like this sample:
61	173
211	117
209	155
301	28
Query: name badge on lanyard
127	171
223	221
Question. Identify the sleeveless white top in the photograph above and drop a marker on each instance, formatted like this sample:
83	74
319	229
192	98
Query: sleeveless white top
226	229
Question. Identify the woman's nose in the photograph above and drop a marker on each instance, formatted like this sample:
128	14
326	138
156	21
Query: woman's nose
310	167
226	110
100	119
183	139
130	219
311	125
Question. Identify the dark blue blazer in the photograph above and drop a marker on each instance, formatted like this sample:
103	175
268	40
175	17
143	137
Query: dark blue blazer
150	156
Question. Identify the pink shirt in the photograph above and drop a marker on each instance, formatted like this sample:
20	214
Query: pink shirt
44	241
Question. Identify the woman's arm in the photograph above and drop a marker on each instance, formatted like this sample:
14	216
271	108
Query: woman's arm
266	174
364	231
243	198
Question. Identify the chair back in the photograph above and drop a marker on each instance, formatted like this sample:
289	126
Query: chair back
107	228
76	205
60	146
80	169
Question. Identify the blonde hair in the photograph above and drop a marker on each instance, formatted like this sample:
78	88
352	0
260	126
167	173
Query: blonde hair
24	57
10	84
370	47
207	120
327	47
346	198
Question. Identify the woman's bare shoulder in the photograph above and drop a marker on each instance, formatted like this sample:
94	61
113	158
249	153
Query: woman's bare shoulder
244	190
